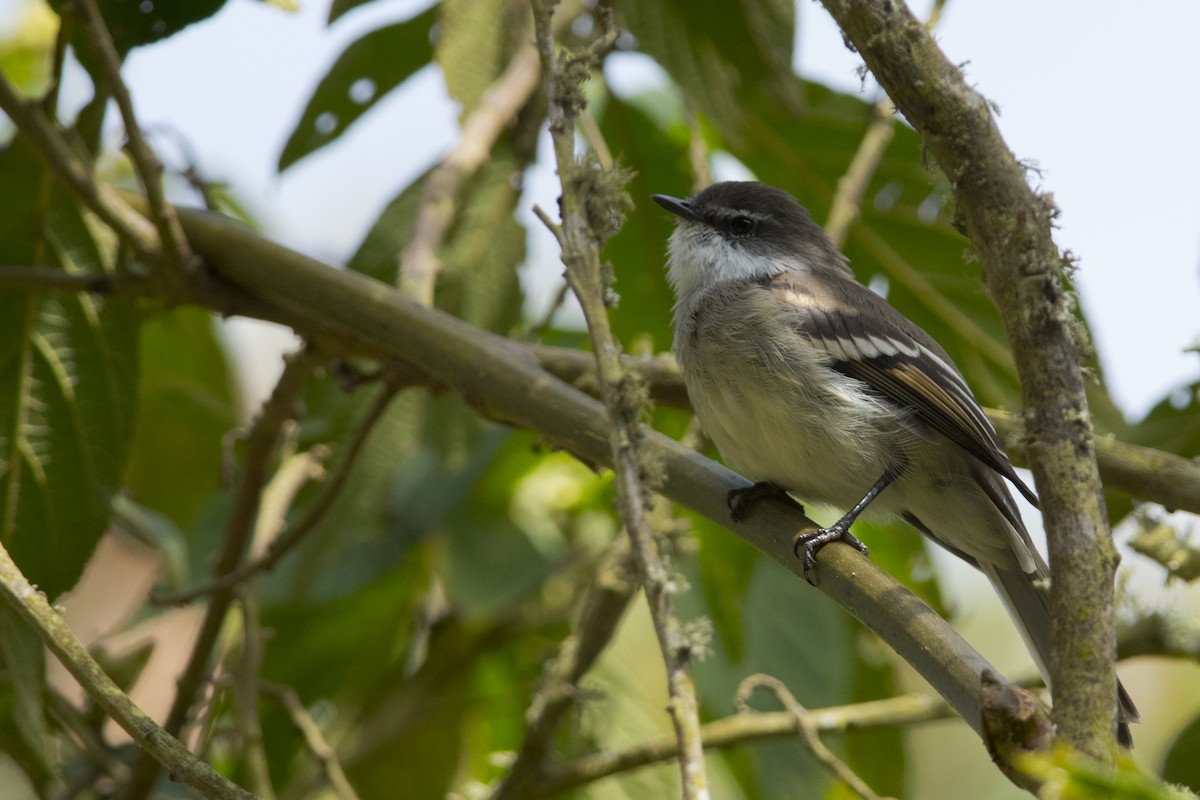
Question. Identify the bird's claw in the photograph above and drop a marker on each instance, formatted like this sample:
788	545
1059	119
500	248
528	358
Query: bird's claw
811	543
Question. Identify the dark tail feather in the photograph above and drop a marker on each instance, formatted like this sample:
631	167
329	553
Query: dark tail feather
1029	606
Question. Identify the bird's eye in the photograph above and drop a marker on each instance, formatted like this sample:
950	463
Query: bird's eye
741	226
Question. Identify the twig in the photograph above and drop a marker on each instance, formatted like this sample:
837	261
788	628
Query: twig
1162	543
588	194
419	264
245	697
698	153
807	729
845	208
283	544
18	277
847	201
603	606
314	740
279	408
179	256
165	749
1010	228
744	728
50	145
1142	472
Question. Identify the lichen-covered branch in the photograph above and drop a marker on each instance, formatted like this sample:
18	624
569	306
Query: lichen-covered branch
592	200
163	748
1009	226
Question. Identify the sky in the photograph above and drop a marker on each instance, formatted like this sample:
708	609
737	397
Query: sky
1097	95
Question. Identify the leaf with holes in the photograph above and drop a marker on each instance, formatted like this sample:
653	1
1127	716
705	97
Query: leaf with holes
369	68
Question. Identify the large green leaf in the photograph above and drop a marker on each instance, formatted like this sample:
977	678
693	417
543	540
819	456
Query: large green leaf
797	635
1173	424
369	68
22	719
475	38
715	50
68	367
133	23
1180	764
186	404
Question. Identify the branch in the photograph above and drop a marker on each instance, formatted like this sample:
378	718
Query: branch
165	749
497	106
314	740
1009	227
807	729
245	691
52	148
743	728
845	209
504	382
592	197
150	170
52	279
1142	472
279	408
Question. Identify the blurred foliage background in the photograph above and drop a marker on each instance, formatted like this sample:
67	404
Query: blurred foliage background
414	618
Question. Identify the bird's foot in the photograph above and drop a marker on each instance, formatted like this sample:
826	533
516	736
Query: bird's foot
809	544
742	500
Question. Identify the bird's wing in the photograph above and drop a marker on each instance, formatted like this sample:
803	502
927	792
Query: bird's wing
868	339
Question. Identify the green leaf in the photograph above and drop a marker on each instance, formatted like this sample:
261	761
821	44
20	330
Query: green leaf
134	23
368	69
1180	764
338	8
68	367
715	50
1173	424
187	403
475	39
22	654
726	566
482	250
797	635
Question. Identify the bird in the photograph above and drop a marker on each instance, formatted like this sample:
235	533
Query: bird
814	386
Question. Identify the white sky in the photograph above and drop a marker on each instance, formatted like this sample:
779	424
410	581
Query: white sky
1099	95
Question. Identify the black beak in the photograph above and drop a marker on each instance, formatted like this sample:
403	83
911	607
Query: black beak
680	208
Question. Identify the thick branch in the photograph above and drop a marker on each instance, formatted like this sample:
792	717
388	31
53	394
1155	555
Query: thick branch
1009	226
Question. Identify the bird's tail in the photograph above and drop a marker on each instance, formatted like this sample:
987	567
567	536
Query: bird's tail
1028	603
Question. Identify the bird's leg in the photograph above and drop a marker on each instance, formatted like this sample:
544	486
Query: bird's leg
742	500
811	543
